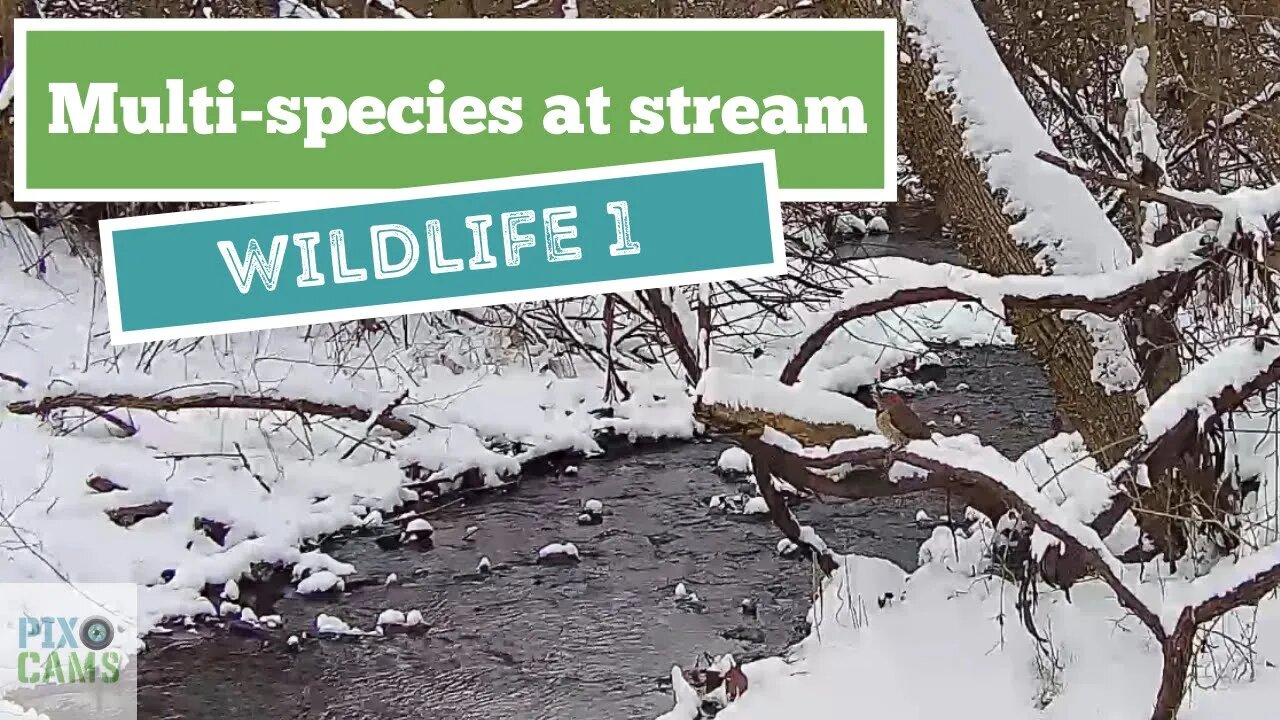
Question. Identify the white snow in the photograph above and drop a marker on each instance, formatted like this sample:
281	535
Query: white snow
419	526
1003	133
6	91
687	706
1057	213
1231	366
554	549
797	401
595	507
1220	18
333	625
851	223
413	618
320	582
734	460
316	561
1182	253
392	579
756	506
392	617
231	591
681	591
1141	9
877	225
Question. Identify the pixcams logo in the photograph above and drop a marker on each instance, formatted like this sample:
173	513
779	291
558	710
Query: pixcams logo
62	650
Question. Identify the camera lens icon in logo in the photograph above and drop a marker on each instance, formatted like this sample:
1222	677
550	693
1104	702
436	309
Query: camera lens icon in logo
96	633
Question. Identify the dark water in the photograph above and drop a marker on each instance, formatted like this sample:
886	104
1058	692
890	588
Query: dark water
592	640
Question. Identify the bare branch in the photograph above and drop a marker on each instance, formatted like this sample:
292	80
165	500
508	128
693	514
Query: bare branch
1133	187
208	401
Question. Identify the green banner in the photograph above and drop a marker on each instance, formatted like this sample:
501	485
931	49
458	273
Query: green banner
272	109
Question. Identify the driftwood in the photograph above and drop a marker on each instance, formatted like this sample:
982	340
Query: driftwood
206	401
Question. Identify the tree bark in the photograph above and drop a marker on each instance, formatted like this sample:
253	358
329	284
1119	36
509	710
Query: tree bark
933	143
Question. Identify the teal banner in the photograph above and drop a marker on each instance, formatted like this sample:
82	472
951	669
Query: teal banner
582	232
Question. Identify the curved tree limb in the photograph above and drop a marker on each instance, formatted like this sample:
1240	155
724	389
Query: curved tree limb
1133	287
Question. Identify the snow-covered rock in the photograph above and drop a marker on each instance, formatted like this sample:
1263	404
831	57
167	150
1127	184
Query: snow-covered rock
332	625
734	461
413	618
593	506
321	582
756	506
878	225
419	527
851	224
558	550
391	617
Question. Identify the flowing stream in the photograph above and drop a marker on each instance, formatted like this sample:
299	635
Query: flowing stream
595	639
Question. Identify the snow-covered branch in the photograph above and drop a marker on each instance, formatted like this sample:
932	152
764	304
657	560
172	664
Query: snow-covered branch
974	469
208	401
1133	187
1110	293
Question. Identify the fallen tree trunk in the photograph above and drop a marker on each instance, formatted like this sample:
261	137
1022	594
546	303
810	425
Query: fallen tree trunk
207	401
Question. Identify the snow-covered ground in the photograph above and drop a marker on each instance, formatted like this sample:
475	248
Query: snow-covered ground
488	416
52	327
947	639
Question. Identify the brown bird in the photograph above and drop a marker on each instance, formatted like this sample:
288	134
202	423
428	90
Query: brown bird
898	422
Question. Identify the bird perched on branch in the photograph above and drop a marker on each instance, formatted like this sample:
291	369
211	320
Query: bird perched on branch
898	422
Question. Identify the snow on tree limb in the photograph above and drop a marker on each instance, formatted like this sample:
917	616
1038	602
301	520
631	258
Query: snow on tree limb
1108	293
167	403
1003	134
1242	582
827	414
965	462
1219	385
